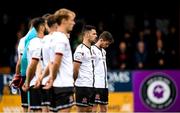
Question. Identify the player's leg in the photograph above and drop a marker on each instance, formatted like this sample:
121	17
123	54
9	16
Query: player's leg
64	99
45	102
100	99
35	99
103	108
83	99
95	108
95	105
103	100
52	106
24	99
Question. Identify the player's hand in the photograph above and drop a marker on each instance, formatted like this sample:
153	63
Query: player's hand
16	81
25	87
49	83
37	84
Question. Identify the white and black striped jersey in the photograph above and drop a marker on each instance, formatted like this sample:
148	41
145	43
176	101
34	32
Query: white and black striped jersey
100	67
85	77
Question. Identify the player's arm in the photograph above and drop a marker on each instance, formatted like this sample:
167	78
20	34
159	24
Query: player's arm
78	56
55	58
39	73
39	69
18	65
76	69
54	68
45	72
31	70
56	64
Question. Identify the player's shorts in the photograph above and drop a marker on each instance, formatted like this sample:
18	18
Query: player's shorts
35	98
24	95
84	96
61	98
45	96
101	96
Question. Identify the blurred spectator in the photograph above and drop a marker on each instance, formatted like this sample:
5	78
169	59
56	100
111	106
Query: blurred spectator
100	27
123	56
141	38
172	47
160	56
158	35
140	56
128	39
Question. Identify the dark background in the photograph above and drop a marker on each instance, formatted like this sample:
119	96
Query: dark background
110	12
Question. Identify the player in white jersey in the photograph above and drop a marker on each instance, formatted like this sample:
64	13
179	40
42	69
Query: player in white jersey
45	62
33	57
100	71
61	77
19	78
84	70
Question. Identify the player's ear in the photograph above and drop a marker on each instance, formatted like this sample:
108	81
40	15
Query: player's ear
41	27
63	21
101	40
87	34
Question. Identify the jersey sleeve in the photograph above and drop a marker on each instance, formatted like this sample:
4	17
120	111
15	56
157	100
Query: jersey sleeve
78	55
36	51
60	45
60	48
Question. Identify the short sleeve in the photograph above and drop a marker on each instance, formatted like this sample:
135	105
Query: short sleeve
78	55
36	51
60	48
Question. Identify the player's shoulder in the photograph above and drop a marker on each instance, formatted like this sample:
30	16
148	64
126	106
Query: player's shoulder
22	41
59	36
36	42
47	38
95	48
35	39
80	47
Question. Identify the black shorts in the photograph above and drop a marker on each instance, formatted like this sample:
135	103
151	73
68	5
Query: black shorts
84	96
61	98
35	98
24	95
101	96
45	96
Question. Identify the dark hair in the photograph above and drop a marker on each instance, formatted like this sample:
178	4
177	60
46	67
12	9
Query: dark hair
87	28
51	21
45	16
36	22
107	36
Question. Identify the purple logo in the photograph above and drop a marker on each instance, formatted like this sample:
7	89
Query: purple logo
158	91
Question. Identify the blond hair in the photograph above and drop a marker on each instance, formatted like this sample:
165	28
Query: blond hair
63	14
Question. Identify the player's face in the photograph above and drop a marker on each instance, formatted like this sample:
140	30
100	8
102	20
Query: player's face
92	36
70	23
105	44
